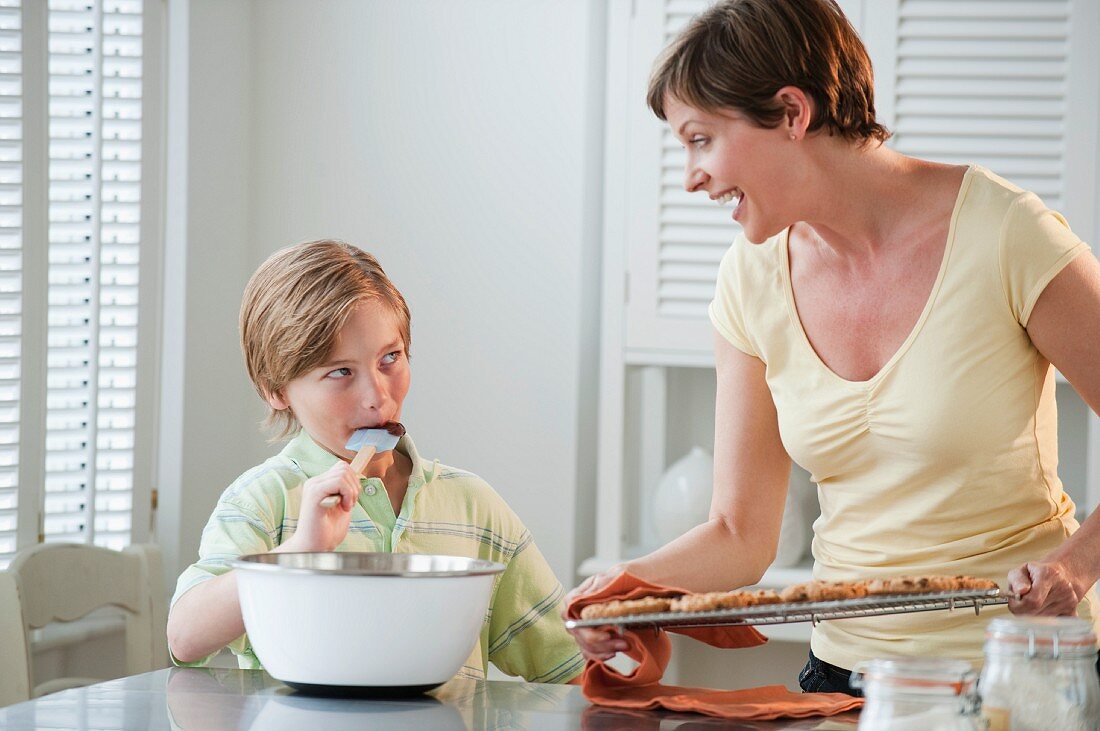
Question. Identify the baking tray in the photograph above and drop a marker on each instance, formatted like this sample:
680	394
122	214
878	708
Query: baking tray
814	612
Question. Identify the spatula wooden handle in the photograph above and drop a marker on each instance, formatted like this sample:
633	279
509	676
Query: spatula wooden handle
357	464
361	458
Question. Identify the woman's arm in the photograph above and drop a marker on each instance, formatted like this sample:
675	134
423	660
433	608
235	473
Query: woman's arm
1065	327
751	471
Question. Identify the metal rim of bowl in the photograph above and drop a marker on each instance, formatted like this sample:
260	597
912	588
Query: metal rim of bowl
272	563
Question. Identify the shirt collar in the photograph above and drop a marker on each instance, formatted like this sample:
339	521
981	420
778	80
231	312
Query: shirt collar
313	459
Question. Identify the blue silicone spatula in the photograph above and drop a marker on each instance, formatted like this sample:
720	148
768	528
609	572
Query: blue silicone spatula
367	443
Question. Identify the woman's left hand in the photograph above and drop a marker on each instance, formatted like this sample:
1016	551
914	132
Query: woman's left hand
596	643
1045	588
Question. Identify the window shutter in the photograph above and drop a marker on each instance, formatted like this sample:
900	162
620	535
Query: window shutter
71	141
95	111
985	85
1007	85
11	266
675	239
694	231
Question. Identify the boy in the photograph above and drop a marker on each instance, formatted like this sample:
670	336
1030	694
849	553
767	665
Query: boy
326	341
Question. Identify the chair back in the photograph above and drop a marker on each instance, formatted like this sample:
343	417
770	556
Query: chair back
15	677
62	582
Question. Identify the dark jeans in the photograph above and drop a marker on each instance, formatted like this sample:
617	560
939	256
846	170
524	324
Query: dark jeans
821	677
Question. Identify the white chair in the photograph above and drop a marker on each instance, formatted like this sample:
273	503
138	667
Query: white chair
62	582
15	685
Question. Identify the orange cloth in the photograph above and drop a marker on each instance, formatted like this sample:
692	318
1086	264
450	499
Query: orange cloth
642	688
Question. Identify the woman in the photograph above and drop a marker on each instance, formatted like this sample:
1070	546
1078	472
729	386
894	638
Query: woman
889	323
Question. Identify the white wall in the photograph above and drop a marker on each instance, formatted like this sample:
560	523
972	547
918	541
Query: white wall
206	439
461	143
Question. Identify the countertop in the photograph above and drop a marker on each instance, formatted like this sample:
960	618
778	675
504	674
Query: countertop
223	699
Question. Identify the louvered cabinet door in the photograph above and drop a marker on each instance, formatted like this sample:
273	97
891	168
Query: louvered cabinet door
674	239
1007	84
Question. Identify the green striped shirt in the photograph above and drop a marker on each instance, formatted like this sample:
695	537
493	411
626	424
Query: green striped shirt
445	511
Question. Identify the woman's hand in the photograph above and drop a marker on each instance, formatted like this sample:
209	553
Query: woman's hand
596	643
1045	588
321	528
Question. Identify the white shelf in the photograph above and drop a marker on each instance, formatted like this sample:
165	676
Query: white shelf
599	564
794	632
669	358
778	577
774	578
594	565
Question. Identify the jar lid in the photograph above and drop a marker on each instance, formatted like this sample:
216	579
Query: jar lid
923	675
1048	637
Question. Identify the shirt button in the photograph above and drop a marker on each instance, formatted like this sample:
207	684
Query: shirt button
371	489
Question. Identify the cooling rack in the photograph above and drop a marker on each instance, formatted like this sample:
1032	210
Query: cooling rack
814	612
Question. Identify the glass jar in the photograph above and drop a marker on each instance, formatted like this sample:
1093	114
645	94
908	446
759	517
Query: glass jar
1040	673
918	694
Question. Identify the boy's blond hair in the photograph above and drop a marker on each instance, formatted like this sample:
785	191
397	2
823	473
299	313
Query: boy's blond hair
295	305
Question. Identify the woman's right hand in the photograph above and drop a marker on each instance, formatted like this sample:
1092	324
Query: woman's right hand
321	528
596	643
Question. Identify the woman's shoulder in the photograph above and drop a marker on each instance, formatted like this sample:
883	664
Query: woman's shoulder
755	270
989	195
1016	221
745	260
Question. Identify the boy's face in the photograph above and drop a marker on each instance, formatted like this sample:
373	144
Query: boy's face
361	384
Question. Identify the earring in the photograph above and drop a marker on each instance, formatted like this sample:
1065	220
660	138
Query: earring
793	136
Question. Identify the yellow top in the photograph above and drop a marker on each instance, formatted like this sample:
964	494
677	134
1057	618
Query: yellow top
944	462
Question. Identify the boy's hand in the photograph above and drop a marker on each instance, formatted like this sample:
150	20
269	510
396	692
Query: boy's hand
320	528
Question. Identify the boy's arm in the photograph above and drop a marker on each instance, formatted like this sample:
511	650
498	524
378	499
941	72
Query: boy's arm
205	619
207	616
526	634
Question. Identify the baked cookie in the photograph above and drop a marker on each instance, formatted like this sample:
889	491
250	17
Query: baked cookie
823	591
802	592
974	583
645	605
712	601
765	596
911	585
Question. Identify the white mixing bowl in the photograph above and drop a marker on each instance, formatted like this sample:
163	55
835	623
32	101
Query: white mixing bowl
363	623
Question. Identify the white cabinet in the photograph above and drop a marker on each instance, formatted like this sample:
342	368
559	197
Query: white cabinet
1012	86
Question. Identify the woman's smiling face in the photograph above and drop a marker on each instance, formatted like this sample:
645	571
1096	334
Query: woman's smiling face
361	384
732	159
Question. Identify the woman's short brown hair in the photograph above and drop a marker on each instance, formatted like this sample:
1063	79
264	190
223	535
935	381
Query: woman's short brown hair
295	305
739	53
